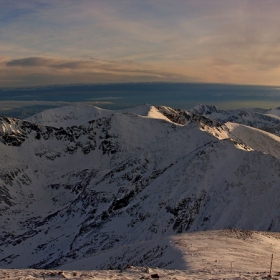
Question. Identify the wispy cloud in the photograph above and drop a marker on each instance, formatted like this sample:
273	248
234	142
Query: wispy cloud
12	104
8	105
29	62
101	66
109	41
45	70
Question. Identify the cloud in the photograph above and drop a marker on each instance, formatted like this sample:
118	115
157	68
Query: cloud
29	62
8	105
130	41
39	69
48	62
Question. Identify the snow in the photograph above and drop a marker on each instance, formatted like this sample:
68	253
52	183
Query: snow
274	113
206	250
257	139
82	113
84	188
224	254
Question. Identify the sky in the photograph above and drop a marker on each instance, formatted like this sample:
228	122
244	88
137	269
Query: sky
46	42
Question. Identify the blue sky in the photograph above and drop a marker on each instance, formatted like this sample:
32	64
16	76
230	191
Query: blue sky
82	41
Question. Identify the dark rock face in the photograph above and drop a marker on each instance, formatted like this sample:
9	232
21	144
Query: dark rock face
185	212
5	196
175	115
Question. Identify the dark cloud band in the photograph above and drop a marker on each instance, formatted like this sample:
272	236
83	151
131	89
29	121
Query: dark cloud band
96	67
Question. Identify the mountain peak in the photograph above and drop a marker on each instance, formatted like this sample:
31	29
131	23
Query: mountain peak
70	115
204	109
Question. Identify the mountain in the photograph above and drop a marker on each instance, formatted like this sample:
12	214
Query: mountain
267	120
81	182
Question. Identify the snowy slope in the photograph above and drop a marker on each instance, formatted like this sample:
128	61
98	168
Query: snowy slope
267	120
69	115
255	138
80	114
91	183
208	251
226	254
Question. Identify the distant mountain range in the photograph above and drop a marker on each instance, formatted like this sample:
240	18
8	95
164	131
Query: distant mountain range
81	182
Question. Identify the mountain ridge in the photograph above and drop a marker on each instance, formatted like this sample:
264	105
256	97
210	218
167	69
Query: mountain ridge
71	192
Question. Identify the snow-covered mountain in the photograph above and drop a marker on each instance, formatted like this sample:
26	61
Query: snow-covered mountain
81	182
267	120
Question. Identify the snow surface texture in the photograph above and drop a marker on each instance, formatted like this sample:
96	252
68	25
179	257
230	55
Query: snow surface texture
224	254
87	188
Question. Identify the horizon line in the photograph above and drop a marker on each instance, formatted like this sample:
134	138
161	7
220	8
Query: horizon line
129	83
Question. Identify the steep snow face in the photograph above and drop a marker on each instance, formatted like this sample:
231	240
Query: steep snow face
70	192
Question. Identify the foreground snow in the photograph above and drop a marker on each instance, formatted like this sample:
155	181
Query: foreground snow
131	273
205	251
223	254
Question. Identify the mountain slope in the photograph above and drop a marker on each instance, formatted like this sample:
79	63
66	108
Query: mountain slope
206	251
80	114
267	120
73	192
